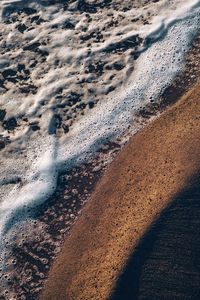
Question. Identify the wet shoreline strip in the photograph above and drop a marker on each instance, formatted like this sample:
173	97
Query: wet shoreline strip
146	175
61	212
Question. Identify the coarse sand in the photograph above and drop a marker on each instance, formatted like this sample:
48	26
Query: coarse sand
143	179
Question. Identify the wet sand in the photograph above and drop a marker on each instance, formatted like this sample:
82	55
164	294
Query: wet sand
166	264
151	170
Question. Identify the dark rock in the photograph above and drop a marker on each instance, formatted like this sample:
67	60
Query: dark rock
12	79
88	36
68	25
61	105
32	47
35	18
33	64
135	54
65	128
54	26
91	68
108	67
73	98
10	123
11	9
110	89
9	20
82	105
22	77
35	127
98	37
96	68
26	89
92	6
26	71
2	114
21	28
9	73
28	10
2	85
59	90
59	97
39	21
2	144
126	9
149	111
43	52
20	67
91	104
118	66
128	43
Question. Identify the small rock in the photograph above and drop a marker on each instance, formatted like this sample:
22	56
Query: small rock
43	52
20	67
32	47
28	10
26	89
82	105
35	127
65	128
2	145
2	114
26	71
91	104
39	21
35	18
118	66
33	64
2	84
110	89
9	73
68	25
21	28
10	123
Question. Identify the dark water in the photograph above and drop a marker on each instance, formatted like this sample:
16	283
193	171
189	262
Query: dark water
166	264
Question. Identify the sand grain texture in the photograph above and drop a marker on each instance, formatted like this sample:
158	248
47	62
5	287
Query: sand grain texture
150	170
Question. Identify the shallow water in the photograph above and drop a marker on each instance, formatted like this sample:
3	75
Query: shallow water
74	75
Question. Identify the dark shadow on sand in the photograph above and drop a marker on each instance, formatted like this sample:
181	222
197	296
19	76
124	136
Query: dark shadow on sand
166	263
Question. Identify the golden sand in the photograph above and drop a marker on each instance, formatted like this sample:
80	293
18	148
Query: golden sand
150	170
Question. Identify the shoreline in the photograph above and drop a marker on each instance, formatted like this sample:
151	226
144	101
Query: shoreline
99	244
62	210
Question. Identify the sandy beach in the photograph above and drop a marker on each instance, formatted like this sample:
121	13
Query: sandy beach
157	164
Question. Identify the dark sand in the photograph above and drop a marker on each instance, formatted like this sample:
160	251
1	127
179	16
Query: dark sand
152	171
166	263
